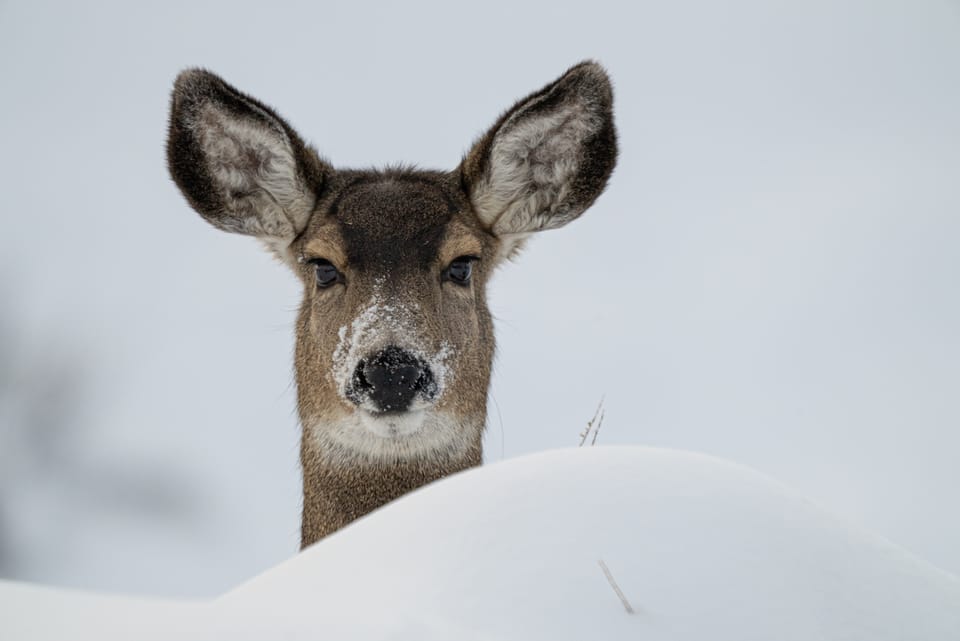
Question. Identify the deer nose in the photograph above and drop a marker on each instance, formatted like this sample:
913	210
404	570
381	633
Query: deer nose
391	379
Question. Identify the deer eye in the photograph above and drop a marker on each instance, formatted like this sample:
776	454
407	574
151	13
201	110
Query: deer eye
460	270
327	274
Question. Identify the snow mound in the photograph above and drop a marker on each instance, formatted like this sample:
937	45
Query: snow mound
696	547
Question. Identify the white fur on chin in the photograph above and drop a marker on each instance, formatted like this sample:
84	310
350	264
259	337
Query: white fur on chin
363	438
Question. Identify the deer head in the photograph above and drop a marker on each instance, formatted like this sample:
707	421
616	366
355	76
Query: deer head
394	338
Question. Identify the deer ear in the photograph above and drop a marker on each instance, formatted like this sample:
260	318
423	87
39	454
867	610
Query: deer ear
238	163
548	157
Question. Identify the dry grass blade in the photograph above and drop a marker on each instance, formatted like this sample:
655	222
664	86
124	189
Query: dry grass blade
593	425
596	430
616	588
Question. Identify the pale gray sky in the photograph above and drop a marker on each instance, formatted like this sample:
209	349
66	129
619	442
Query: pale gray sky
771	276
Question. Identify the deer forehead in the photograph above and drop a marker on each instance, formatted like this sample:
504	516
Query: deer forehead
384	227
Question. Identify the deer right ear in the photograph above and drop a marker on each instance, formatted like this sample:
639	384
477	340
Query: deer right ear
547	159
238	163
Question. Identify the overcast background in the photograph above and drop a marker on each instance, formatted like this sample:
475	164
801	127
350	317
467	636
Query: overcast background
771	276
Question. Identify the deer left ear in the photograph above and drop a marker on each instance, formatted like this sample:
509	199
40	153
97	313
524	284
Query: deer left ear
548	157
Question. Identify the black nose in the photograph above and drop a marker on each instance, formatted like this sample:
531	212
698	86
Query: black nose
391	379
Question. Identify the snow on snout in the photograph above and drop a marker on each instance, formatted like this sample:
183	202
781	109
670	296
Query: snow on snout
380	324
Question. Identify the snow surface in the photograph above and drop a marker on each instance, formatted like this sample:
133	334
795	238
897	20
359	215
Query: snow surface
701	549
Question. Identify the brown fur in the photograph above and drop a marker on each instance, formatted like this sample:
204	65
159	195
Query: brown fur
334	496
391	235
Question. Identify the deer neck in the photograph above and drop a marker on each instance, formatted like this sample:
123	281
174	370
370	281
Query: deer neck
335	494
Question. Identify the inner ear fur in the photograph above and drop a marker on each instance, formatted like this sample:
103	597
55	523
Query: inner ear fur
238	163
547	158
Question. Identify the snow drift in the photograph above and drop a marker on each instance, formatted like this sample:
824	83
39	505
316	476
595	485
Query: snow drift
697	548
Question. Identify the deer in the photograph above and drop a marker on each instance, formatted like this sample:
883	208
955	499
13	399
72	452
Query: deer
394	339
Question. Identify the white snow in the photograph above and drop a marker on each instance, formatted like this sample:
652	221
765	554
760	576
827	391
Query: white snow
701	549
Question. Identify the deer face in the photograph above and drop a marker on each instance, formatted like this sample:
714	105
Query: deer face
394	338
